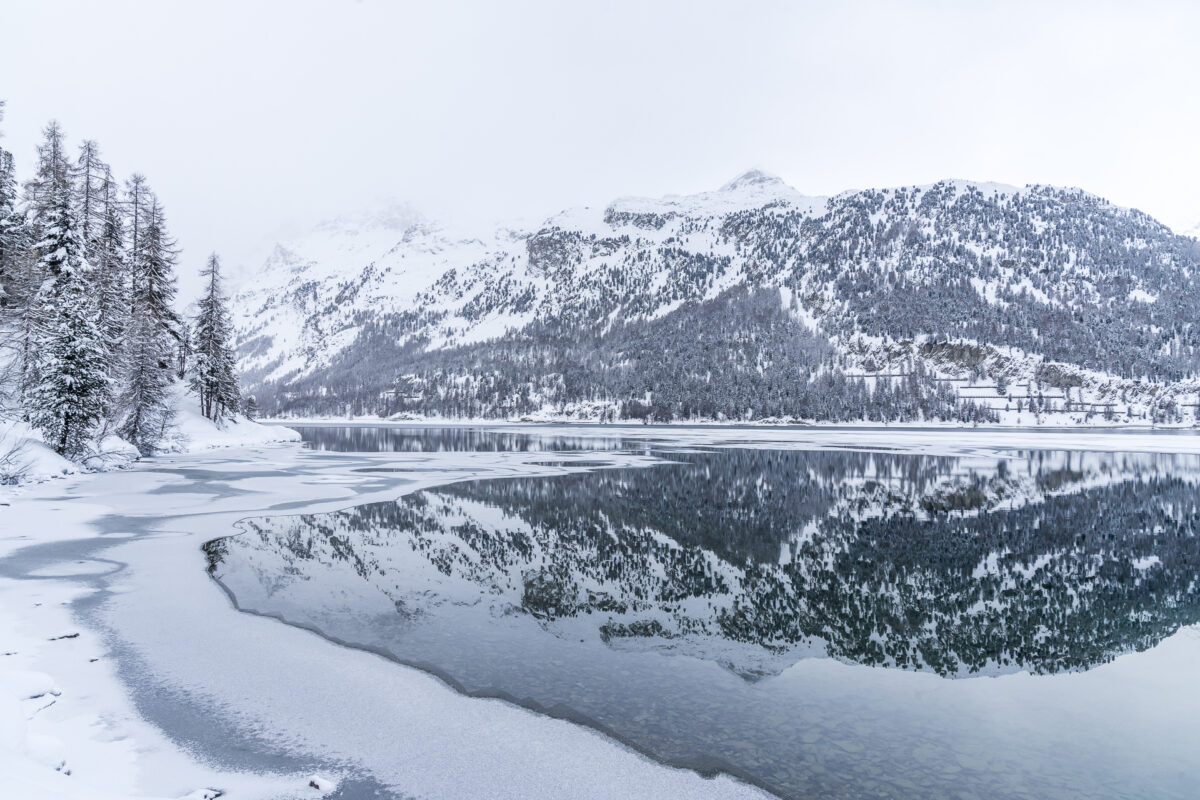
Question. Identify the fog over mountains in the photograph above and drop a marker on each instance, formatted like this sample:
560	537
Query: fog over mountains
954	301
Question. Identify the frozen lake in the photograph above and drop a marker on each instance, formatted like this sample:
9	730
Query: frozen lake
849	615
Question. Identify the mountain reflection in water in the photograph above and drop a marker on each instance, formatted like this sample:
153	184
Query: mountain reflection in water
605	594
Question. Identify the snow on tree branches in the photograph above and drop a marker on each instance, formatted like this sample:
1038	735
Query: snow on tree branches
214	373
88	330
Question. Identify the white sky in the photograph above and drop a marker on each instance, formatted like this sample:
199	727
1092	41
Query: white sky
250	116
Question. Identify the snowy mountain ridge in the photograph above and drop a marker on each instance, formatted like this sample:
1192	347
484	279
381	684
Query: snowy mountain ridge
402	310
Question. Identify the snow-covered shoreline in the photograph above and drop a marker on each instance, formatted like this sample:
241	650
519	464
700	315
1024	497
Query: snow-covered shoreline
117	569
1052	423
927	439
69	727
25	458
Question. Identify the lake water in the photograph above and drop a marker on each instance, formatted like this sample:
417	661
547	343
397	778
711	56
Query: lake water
821	623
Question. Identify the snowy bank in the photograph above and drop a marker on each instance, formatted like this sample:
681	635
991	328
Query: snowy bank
1008	422
165	690
193	432
26	458
67	727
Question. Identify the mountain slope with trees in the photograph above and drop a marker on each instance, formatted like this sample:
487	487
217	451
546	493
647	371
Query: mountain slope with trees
957	301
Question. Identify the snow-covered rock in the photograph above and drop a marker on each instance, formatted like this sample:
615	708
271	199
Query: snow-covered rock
25	457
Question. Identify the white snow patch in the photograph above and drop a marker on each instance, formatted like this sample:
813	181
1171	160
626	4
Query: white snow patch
1146	562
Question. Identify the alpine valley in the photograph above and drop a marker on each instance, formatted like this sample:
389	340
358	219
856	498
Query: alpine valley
958	302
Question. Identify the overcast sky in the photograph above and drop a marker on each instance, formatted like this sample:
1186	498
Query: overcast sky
248	116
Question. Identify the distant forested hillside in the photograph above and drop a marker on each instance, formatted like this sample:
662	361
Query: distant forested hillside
956	301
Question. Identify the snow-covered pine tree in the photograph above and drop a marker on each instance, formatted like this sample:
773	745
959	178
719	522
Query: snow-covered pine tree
14	259
13	239
144	399
70	387
44	198
107	258
8	207
10	225
153	328
87	178
137	199
214	374
52	176
183	350
97	208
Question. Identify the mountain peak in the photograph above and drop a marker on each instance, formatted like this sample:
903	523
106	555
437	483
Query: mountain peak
754	178
389	216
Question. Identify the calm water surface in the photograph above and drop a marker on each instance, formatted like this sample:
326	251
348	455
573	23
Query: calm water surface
821	623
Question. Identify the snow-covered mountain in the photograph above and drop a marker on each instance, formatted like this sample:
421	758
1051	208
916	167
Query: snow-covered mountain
956	300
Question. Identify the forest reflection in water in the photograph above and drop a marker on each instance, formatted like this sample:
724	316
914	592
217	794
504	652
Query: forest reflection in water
457	439
669	606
